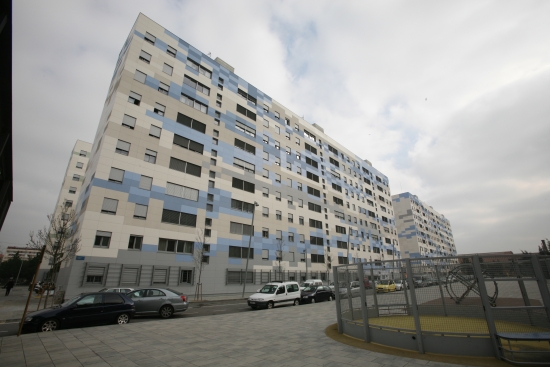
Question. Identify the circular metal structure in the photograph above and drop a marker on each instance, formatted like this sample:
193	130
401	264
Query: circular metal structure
461	281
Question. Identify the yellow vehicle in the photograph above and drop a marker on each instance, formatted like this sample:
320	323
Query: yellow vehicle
385	286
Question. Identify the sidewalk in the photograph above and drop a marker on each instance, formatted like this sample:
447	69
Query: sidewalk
284	336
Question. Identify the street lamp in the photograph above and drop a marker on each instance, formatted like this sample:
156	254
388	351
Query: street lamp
249	242
305	259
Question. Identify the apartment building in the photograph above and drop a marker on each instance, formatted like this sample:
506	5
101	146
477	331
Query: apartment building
184	147
422	231
24	253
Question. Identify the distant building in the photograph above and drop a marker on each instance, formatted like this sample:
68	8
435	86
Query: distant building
422	231
25	253
491	257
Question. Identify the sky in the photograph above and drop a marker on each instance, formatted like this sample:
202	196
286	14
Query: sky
450	100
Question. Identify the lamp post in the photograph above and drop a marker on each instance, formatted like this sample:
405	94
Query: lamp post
305	259
349	235
249	242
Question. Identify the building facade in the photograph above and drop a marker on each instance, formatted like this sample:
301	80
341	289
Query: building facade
185	146
422	231
24	253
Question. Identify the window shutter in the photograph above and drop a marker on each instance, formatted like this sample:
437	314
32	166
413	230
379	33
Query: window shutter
129	121
140	211
109	205
170	216
174	190
189	220
190	194
194	170
265	210
145	55
235	228
196	147
116	174
159	276
140	77
155	131
184	120
135	96
177	164
122	145
145	182
95	270
129	276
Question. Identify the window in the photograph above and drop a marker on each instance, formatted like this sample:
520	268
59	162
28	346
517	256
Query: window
164	88
116	175
245	146
209	207
334	161
278	215
289	166
314	207
134	98
159	109
278	234
298	141
179	218
189	122
337	187
240	228
338	200
315	224
145	57
277	196
245	128
301	220
277	161
145	182
128	121
266	108
210	197
290	237
167	69
343	260
247	96
316	240
251	115
312	163
185	167
333	150
302	238
341	244
188	144
314	192
265	192
198	86
300	203
135	242
290	218
277	178
243	185
76	177
102	239
265	173
288	151
72	190
265	211
242	206
289	199
265	254
140	77
248	167
310	148
150	38
339	215
211	184
277	145
68	203
299	186
183	192
312	176
208	222
171	51
201	69
140	211
186	276
240	252
340	229
287	135
317	258
193	103
122	147
177	246
150	156
265	232
266	155
277	115
266	123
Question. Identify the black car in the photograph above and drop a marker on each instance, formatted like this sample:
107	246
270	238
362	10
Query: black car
317	293
85	309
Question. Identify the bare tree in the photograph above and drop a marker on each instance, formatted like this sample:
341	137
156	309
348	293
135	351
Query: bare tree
59	241
199	251
279	245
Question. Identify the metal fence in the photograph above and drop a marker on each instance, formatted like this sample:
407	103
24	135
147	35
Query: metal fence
453	305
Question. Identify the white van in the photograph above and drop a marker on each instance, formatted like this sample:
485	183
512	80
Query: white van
275	293
309	283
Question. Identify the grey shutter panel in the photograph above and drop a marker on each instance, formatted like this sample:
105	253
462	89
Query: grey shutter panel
95	270
145	182
109	205
196	147
116	174
167	69
155	131
159	276
174	190
145	55
181	141
129	121
190	194
235	228
247	230
189	220
170	216
135	96
193	169
177	164
123	145
140	211
265	210
103	234
129	276
140	77
150	37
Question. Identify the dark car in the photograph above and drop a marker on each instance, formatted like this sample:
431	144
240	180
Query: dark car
162	301
85	309
317	293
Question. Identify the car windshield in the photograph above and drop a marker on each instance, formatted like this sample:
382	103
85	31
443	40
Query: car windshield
304	285
310	289
384	282
71	301
269	289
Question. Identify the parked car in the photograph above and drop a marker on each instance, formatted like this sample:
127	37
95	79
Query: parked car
275	293
164	301
85	309
317	293
354	289
419	282
117	290
400	285
309	283
385	286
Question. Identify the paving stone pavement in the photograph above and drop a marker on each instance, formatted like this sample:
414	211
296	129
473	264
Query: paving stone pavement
284	336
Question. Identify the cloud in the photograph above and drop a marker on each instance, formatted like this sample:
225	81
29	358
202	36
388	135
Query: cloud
449	100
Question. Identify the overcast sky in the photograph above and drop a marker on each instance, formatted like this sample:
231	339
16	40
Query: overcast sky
451	100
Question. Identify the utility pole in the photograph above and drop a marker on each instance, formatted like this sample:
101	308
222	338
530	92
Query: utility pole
349	235
249	242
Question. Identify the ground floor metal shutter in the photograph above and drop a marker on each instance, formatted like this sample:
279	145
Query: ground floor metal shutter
129	276
159	276
95	270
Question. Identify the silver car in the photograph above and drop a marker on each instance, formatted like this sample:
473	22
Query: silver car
165	302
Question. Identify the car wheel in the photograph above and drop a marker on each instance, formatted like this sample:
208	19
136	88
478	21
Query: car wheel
166	312
269	305
313	300
49	325
296	302
122	319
